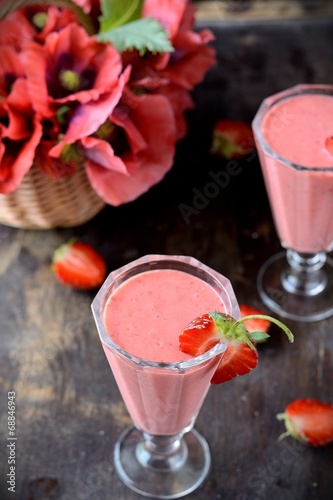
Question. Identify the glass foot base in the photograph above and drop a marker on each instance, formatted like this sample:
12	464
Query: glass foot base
291	305
179	480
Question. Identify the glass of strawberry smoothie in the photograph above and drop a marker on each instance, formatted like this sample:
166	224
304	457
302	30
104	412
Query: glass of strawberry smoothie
140	312
294	135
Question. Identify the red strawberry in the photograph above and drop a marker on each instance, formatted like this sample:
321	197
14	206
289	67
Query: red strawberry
254	325
232	139
310	421
329	144
240	357
78	265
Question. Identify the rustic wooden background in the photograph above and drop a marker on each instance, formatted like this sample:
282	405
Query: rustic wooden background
69	411
262	9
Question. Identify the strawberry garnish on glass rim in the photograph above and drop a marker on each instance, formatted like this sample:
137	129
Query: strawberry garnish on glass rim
240	356
309	421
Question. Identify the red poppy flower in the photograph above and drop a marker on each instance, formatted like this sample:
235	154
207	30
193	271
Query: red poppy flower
66	98
46	20
70	66
33	23
87	118
137	153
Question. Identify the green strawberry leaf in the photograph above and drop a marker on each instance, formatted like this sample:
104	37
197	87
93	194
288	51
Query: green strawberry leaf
235	330
7	7
257	336
118	12
142	35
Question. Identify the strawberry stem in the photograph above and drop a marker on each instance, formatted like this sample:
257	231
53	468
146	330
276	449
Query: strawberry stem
291	429
269	318
282	416
284	435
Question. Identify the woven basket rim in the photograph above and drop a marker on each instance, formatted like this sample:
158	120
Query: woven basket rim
40	202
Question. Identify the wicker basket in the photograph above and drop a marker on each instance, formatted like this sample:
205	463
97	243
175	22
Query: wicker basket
42	203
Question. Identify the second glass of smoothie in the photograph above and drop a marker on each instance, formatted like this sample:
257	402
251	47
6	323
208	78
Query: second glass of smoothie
140	312
292	131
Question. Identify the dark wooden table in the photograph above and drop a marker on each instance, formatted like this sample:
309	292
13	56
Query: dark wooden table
68	408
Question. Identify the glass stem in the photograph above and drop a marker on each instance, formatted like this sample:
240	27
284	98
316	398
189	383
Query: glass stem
166	453
305	275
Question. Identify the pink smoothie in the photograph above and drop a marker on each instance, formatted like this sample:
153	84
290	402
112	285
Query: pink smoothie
301	200
145	316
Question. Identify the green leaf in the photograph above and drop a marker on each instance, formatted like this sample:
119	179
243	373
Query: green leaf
7	7
258	336
118	12
142	35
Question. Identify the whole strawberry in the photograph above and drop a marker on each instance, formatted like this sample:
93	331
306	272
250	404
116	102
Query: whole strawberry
308	420
232	139
240	356
78	265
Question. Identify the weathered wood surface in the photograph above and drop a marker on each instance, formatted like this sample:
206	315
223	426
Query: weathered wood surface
262	9
68	408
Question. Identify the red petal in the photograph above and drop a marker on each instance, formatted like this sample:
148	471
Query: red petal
168	12
88	117
10	67
53	167
13	168
101	153
19	98
180	100
35	65
153	116
197	59
15	30
19	110
123	119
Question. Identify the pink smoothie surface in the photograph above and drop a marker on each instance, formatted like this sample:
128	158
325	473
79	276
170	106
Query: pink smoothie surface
145	316
301	200
296	128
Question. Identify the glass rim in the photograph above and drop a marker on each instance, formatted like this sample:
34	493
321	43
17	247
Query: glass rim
102	296
269	103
